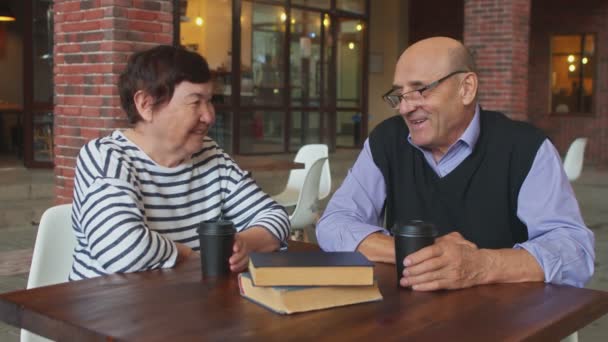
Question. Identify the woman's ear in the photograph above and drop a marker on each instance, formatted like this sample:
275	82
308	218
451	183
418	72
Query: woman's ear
468	90
144	104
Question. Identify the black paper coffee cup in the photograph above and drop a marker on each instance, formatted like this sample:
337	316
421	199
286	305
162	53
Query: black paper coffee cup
216	241
409	238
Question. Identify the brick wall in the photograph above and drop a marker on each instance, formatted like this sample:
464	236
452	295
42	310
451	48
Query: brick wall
93	40
497	31
566	17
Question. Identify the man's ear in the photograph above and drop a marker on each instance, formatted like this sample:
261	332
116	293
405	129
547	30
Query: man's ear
144	104
468	90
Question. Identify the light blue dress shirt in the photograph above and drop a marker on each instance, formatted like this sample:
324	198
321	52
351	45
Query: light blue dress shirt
558	237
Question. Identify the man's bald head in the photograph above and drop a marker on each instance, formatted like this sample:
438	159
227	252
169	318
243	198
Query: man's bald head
443	53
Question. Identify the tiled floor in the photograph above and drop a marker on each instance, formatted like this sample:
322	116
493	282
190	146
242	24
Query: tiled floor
26	193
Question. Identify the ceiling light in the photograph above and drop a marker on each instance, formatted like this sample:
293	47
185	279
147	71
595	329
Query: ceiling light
6	14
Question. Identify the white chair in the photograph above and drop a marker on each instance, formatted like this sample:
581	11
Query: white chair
305	212
571	338
52	258
573	162
307	154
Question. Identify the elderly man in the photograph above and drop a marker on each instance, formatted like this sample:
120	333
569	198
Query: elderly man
495	188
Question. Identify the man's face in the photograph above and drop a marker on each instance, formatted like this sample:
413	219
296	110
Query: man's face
184	121
437	118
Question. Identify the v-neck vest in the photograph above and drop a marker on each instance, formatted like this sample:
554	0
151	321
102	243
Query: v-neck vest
478	198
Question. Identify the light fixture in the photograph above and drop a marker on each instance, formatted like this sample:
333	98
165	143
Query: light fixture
351	45
293	21
6	14
199	20
585	60
326	21
570	58
359	27
283	16
572	68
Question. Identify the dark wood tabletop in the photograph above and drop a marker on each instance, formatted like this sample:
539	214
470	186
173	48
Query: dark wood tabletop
178	305
265	163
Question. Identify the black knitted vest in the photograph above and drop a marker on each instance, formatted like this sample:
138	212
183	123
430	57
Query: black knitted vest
478	198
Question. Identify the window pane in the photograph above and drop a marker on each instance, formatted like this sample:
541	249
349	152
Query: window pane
566	44
205	27
349	65
348	129
221	131
589	44
305	129
357	6
572	71
261	131
43	52
305	58
262	36
43	137
324	4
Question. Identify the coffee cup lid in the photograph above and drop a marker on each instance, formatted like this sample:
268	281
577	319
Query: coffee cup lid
415	228
220	227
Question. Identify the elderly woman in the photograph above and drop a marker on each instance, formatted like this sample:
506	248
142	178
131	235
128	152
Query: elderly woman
140	194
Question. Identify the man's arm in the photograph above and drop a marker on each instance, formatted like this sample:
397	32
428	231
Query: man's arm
558	238
354	212
453	262
559	249
378	247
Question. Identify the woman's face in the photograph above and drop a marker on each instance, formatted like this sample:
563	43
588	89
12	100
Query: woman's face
182	123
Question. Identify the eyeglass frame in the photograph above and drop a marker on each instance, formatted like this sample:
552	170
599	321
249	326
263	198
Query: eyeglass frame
429	86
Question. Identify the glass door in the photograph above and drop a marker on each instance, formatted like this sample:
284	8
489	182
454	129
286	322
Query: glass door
310	54
349	81
38	85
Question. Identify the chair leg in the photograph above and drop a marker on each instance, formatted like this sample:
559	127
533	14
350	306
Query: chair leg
297	235
309	235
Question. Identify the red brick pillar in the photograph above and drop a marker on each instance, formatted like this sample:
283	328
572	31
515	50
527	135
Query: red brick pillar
93	40
497	31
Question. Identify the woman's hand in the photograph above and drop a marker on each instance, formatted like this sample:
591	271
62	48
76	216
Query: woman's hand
183	252
240	254
252	239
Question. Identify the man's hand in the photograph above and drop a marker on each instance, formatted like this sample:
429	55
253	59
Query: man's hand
450	263
240	254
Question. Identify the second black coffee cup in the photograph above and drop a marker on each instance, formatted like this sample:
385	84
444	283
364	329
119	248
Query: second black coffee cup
409	238
216	241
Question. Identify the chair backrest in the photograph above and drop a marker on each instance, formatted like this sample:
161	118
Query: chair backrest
573	162
55	242
308	154
52	258
304	213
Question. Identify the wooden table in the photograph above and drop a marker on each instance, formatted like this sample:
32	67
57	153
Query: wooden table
263	163
177	305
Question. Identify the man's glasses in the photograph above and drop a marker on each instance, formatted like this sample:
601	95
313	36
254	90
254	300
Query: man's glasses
415	97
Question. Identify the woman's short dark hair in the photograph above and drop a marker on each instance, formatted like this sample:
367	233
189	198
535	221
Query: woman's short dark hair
157	71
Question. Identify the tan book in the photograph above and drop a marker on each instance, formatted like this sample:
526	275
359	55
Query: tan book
291	299
313	268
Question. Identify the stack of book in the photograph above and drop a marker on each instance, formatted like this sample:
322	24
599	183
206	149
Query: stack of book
289	282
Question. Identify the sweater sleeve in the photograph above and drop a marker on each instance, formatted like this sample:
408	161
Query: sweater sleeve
247	205
113	223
